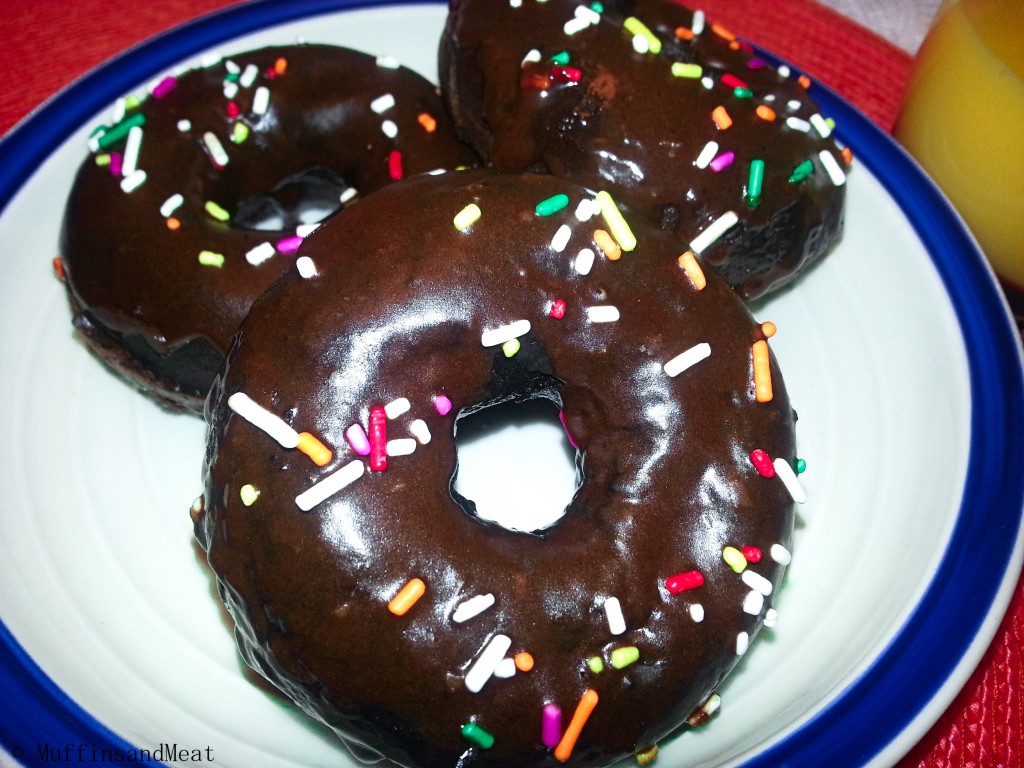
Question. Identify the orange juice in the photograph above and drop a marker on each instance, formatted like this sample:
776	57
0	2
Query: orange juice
963	120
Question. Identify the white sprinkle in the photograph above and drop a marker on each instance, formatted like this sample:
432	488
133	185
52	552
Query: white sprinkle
305	230
486	662
260	253
697	612
472	607
382	103
793	104
742	643
771	616
640	44
753	602
515	3
708	82
389	128
605	313
784	70
574	25
561	238
132	145
698	22
584	261
330	485
230	90
133	182
585	210
402	446
714	230
260	417
506	668
249	76
706	155
780	554
119	110
756	581
769	97
588	13
613	612
498	336
348	194
533	55
232	67
306	267
798	124
261	100
397	407
788	477
388	62
690	357
420	431
184	126
210	60
216	150
712	705
171	204
835	173
821	125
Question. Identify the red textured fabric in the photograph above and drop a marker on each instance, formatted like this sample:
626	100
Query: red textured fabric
49	43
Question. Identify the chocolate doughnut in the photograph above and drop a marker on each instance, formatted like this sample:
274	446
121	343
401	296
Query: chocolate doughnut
679	121
367	588
190	204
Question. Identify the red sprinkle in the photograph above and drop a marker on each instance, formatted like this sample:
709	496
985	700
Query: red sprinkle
752	554
233	109
535	81
395	165
682	582
378	437
58	268
565	74
763	462
557	310
732	81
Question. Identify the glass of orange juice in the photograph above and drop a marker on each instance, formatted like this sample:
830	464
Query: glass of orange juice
963	120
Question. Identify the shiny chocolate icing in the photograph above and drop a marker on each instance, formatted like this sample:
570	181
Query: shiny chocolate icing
589	107
141	298
400	305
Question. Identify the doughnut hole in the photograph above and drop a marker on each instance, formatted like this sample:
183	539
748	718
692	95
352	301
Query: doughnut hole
516	466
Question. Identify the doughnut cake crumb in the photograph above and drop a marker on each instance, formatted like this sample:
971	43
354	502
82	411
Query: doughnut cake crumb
371	593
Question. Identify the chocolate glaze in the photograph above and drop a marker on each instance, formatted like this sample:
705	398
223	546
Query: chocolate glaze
632	127
398	309
140	296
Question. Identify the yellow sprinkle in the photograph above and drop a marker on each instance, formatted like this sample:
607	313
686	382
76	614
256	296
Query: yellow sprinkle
693	271
468	216
637	27
216	211
211	259
734	559
616	223
312	447
248	494
682	69
762	372
721	118
608	246
645	757
407	597
583	710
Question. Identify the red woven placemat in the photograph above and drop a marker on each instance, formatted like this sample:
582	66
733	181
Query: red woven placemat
49	43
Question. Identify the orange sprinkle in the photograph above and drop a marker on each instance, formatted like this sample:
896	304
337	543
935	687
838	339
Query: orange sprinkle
765	112
607	244
565	747
523	661
768	329
721	31
58	268
317	451
173	223
847	155
734	45
693	271
281	65
684	33
721	118
762	372
407	597
429	123
804	81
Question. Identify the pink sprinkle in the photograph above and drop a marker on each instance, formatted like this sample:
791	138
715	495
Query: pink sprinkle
289	244
757	64
442	404
164	87
551	726
395	165
723	161
378	439
683	582
116	163
561	418
358	440
732	81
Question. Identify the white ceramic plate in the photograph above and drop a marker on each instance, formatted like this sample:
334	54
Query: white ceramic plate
897	350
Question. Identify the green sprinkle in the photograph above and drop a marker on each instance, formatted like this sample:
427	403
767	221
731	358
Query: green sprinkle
239	132
595	664
734	559
802	171
801	466
623	657
682	69
467	217
755	183
216	211
132	102
597	7
248	494
116	132
831	123
562	57
552	205
742	93
211	259
637	27
477	736
232	77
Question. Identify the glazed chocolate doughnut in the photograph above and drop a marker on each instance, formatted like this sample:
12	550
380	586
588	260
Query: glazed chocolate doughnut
190	205
367	588
679	121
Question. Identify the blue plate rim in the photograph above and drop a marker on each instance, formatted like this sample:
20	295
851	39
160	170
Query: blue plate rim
941	642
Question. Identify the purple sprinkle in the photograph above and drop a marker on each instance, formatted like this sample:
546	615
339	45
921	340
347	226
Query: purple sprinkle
116	163
289	244
551	726
723	161
756	64
442	404
357	438
164	87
